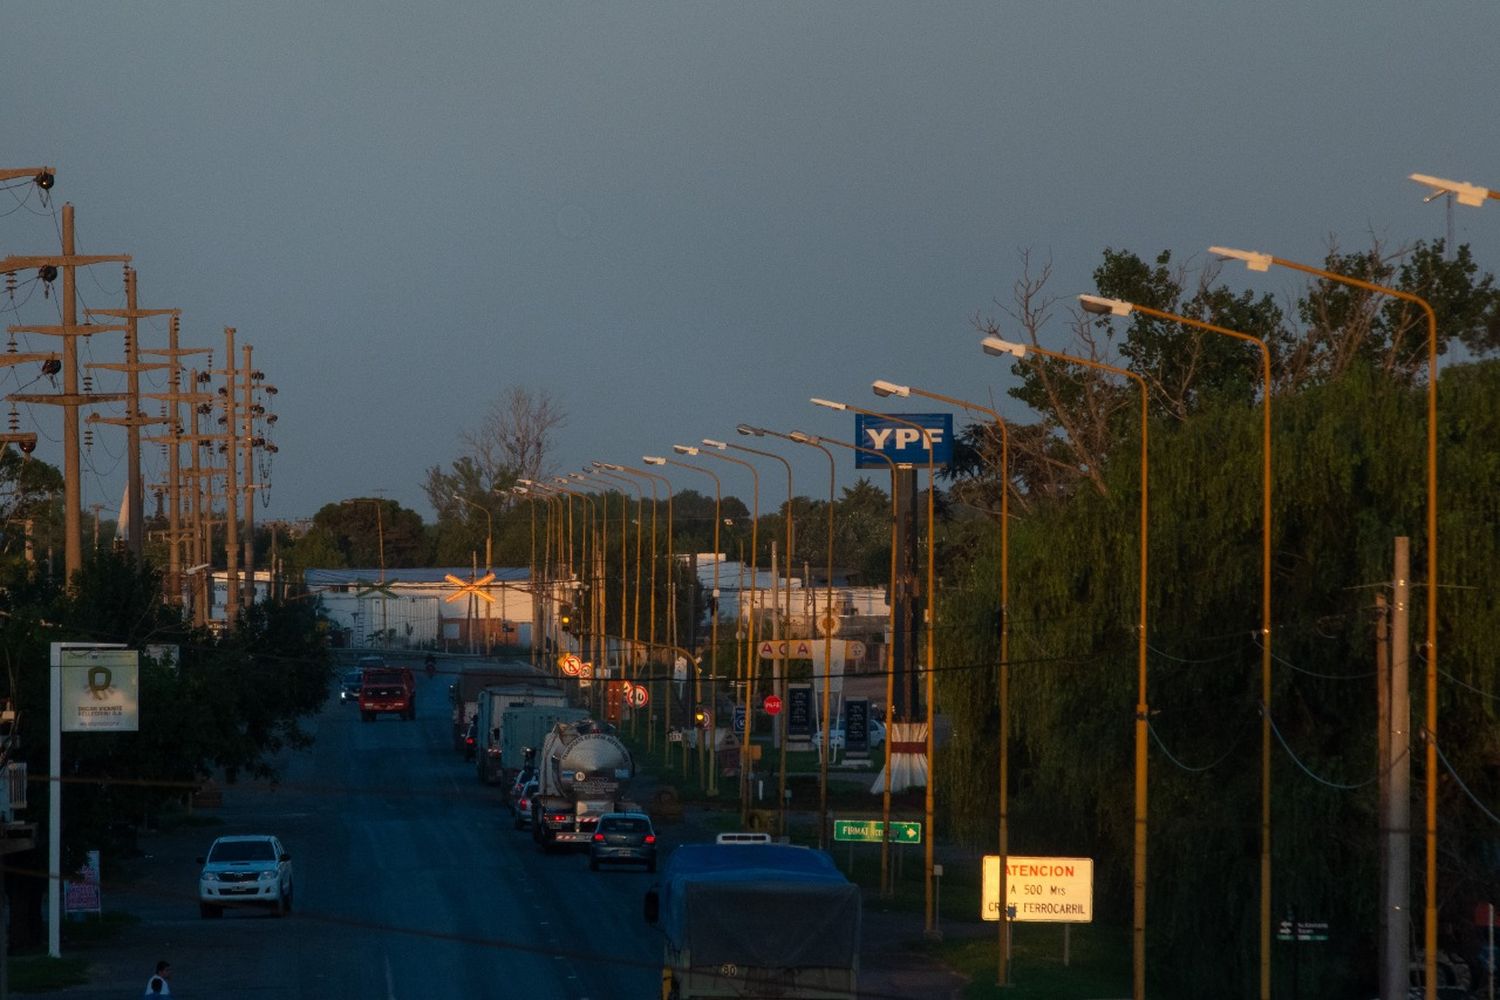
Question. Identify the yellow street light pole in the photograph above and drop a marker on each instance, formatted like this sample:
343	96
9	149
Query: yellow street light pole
751	660
929	923
779	671
704	751
531	580
1115	307
671	603
883	388
994	345
890	666
1262	262
651	603
603	469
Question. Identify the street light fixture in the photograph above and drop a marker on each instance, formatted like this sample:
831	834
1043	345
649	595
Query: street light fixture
999	347
1473	195
1262	262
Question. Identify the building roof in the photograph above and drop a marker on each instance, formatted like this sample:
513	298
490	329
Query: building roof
326	578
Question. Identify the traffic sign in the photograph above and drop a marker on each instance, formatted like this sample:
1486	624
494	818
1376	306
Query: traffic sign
772	704
637	696
1039	890
868	831
739	718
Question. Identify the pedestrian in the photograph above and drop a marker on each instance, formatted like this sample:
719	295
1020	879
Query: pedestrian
159	985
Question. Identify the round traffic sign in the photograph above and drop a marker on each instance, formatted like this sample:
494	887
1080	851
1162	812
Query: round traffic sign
772	704
637	696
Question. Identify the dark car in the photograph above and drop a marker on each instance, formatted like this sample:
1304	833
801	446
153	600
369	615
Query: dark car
523	778
349	685
471	739
623	837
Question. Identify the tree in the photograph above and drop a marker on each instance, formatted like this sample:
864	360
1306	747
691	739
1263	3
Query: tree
513	441
373	531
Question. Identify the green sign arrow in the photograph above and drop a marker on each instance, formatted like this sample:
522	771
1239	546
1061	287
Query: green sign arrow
868	831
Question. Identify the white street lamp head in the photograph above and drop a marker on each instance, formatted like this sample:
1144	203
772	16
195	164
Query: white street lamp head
1101	306
653	460
883	388
1467	194
684	449
711	443
750	430
802	438
526	482
996	346
829	403
1253	260
520	491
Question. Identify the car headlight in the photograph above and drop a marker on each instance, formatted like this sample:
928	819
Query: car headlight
268	876
209	877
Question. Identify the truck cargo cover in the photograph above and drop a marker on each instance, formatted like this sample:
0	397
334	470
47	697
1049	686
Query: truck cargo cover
762	905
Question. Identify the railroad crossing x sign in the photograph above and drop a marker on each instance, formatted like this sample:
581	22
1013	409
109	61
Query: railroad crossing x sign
470	587
364	588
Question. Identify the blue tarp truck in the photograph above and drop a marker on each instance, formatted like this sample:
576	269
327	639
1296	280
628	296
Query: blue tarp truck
755	920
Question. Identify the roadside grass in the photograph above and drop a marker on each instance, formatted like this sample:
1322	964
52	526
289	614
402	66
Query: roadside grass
1098	963
36	972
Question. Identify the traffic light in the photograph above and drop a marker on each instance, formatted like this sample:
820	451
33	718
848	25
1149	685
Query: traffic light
700	717
565	617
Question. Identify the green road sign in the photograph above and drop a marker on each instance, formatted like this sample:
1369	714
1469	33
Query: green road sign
867	831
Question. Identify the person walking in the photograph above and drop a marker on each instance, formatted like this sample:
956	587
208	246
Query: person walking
159	985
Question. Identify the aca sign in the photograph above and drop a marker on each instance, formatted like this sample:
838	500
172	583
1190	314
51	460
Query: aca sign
901	442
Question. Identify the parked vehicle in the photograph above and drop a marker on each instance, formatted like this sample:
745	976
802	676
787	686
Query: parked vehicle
623	837
387	689
584	771
245	870
755	919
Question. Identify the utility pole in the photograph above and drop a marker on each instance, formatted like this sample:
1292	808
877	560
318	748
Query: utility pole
133	420
1396	806
247	444
70	399
231	488
173	399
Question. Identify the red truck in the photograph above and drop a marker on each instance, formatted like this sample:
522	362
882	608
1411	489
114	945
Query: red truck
386	689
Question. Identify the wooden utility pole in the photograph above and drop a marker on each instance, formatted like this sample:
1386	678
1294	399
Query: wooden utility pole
231	488
134	419
173	399
70	399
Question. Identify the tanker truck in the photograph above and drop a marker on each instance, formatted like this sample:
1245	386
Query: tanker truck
583	770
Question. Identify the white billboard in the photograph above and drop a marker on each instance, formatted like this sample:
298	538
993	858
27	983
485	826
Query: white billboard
100	690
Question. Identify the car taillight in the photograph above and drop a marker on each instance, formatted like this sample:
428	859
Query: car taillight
598	838
469	740
650	838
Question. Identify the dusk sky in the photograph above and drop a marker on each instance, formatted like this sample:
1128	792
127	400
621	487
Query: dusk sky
678	217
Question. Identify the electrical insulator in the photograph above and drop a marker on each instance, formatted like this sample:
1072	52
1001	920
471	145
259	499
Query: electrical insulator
205	376
28	446
88	383
271	389
51	366
10	284
205	409
272	448
223	421
223	391
257	409
45	180
271	419
13	421
258	376
257	442
88	437
47	272
11	347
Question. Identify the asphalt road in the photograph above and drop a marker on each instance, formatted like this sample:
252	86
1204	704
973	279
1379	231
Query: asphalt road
410	882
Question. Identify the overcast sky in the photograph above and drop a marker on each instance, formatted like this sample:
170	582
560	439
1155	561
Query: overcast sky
675	218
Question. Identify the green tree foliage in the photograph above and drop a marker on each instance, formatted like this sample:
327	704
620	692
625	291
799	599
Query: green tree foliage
369	530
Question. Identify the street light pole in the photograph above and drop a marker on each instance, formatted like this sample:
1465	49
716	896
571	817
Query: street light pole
1115	307
930	805
883	388
713	625
752	660
1262	262
994	345
780	671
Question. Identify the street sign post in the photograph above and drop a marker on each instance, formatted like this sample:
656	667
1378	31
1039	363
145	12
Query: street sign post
868	831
